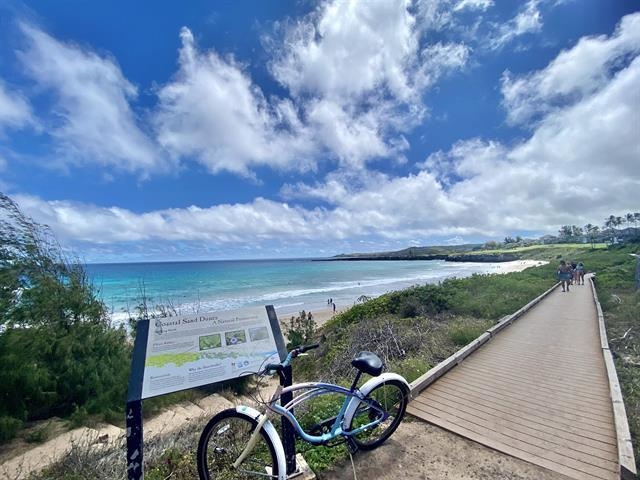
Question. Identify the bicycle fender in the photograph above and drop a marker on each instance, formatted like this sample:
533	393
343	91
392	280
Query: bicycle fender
366	388
272	433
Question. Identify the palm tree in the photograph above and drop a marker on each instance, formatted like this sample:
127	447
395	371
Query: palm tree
589	228
611	224
630	219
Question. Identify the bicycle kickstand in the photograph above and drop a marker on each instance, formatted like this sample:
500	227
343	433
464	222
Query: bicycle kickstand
351	446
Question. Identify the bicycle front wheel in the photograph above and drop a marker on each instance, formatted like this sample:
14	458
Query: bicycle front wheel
391	396
223	440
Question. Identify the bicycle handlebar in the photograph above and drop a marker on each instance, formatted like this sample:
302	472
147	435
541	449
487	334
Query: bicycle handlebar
304	348
278	367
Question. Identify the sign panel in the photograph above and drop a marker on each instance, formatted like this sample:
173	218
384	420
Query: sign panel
193	350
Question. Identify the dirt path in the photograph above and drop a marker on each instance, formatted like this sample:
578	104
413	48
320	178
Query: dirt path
420	451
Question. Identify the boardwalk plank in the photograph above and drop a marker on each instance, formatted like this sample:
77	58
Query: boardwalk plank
508	447
532	376
579	461
525	416
532	401
544	391
508	421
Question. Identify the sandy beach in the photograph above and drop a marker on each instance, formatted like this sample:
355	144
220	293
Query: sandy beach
518	265
322	316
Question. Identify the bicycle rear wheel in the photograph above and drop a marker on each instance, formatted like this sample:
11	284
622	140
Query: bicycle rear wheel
223	440
391	396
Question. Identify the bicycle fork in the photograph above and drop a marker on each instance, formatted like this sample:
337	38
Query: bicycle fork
253	439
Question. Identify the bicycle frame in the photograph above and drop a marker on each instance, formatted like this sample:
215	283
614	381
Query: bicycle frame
316	389
353	398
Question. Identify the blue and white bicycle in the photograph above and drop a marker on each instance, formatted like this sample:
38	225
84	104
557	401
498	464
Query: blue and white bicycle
242	443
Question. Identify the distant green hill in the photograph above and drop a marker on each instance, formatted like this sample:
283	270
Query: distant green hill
452	253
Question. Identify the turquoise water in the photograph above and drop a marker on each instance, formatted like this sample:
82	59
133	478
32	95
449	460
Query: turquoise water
289	285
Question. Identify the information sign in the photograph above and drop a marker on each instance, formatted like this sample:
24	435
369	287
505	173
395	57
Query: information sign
193	350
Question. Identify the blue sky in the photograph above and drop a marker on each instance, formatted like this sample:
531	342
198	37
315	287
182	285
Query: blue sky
193	130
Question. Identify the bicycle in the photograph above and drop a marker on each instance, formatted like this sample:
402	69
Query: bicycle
242	443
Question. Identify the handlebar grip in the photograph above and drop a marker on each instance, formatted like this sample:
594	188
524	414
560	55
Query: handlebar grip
308	347
273	367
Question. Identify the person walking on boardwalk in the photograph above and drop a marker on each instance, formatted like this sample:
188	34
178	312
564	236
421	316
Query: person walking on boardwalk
580	273
574	274
565	274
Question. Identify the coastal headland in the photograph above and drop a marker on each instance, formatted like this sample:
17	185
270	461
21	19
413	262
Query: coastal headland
478	257
454	253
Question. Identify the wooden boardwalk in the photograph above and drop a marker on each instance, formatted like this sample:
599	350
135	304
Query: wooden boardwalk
538	391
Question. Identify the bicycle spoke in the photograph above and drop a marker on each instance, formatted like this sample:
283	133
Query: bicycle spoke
390	398
223	441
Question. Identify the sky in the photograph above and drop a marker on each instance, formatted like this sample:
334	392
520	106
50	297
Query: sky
168	131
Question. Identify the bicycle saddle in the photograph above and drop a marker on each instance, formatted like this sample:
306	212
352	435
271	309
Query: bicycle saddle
368	362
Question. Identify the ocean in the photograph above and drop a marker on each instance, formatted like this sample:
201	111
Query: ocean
289	285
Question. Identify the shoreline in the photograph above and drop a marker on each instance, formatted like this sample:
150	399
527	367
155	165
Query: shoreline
323	315
321	310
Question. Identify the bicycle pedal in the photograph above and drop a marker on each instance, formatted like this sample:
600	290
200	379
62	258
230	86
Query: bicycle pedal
322	427
351	446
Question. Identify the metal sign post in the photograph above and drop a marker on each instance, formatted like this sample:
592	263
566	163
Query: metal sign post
288	432
135	465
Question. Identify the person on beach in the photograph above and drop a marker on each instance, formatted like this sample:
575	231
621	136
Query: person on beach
565	274
580	273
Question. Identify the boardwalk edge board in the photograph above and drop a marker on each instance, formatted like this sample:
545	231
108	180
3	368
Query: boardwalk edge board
443	367
625	448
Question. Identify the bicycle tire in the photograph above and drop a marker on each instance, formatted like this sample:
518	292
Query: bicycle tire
222	441
393	396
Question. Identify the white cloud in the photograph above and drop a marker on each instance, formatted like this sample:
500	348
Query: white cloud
473	5
261	219
211	110
579	165
15	110
92	119
528	20
574	73
347	49
358	72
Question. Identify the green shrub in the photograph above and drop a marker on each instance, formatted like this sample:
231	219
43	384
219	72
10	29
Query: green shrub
79	417
9	426
300	330
410	368
463	332
40	434
427	299
409	308
57	349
